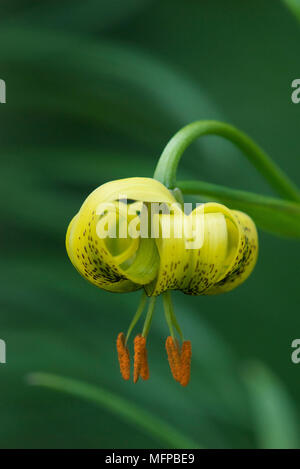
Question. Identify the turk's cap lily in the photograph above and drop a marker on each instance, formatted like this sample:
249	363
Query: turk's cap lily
208	250
111	243
224	259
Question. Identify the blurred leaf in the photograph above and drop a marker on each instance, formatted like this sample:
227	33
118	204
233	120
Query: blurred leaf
108	83
274	416
80	167
84	17
51	292
44	197
116	82
294	6
280	217
116	404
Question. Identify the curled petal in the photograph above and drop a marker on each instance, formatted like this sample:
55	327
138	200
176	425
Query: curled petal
243	257
222	253
210	251
94	245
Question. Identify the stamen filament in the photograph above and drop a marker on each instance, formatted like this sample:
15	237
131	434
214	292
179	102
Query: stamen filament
170	315
137	315
148	319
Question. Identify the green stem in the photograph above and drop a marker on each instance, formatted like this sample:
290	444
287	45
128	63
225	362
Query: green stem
167	165
122	408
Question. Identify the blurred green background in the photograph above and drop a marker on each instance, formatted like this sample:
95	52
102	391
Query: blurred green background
94	91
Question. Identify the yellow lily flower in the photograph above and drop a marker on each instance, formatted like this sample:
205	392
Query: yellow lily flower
118	245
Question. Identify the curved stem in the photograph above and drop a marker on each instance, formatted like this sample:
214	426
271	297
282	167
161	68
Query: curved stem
167	165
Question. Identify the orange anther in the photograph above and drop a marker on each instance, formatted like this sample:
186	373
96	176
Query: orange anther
140	359
123	355
174	357
186	354
144	371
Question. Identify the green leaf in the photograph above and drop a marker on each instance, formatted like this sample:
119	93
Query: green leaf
273	414
85	15
116	404
116	82
277	216
294	6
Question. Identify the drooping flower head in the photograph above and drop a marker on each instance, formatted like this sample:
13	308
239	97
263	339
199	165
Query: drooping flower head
133	234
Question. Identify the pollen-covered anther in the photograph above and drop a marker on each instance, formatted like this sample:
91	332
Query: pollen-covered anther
144	371
140	359
186	355
123	355
174	357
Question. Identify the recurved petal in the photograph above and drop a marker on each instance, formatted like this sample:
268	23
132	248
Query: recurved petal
144	189
244	258
117	263
91	257
207	263
174	257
